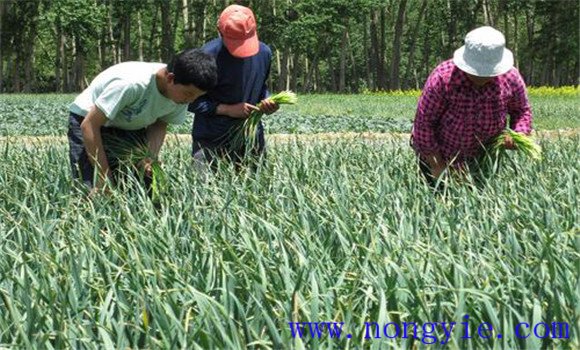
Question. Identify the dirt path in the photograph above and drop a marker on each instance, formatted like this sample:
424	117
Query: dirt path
286	138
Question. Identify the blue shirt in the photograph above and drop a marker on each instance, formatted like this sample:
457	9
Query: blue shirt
239	80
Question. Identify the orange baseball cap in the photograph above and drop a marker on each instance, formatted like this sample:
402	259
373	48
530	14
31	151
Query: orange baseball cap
237	26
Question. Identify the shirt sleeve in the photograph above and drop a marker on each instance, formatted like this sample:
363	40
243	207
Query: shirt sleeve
115	96
429	109
177	117
519	106
203	106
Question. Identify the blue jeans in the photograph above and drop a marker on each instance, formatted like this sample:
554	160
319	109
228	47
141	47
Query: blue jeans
82	169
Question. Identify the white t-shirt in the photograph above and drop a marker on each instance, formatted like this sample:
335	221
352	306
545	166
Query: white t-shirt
127	93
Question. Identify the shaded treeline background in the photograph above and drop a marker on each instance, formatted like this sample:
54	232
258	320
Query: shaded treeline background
318	45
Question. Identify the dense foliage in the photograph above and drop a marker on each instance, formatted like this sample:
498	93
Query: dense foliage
339	231
318	45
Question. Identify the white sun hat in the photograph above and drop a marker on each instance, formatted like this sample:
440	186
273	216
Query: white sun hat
484	53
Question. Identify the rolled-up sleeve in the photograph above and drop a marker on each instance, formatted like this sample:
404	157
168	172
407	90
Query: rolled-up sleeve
429	109
519	106
204	106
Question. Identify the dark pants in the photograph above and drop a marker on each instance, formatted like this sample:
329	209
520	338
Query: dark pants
210	152
117	143
481	169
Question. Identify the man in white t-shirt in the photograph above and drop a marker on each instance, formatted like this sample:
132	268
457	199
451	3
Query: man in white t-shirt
130	105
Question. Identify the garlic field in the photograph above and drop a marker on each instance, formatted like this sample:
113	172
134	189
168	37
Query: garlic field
339	230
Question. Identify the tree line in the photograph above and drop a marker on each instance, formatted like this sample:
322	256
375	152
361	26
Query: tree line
318	45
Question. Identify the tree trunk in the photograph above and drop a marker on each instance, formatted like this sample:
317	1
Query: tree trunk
531	48
102	42
65	72
283	83
375	47
316	78
506	29
2	10
487	13
355	77
79	65
29	60
152	49
473	15
332	71
127	37
312	76
187	24
16	79
199	25
29	46
112	41
554	44
175	23
451	27
140	35
305	75
396	60
382	48
166	32
58	59
342	73
515	46
426	55
414	36
368	53
278	64
294	80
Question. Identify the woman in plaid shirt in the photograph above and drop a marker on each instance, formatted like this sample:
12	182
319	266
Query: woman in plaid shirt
465	102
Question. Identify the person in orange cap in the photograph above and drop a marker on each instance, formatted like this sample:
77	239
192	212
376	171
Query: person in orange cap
243	64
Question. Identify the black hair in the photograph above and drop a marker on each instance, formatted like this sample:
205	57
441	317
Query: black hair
194	67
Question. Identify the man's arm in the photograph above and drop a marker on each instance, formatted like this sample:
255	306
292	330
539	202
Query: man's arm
205	106
240	110
155	137
91	130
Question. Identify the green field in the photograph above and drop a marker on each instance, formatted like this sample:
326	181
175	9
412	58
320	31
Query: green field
47	114
340	230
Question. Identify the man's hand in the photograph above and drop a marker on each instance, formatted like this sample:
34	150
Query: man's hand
240	110
508	142
267	106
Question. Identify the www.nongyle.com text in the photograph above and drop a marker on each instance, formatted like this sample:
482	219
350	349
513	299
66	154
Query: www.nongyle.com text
429	332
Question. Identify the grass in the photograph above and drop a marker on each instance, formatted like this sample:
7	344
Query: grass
337	231
47	114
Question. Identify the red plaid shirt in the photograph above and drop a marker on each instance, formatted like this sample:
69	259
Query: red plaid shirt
454	117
